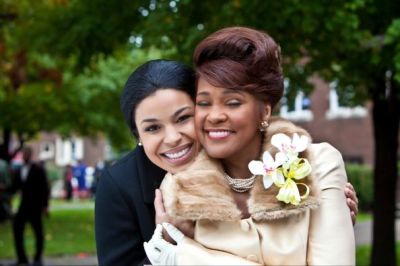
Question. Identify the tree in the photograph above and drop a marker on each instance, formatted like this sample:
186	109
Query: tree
355	42
69	80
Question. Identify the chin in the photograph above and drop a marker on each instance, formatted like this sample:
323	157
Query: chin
219	153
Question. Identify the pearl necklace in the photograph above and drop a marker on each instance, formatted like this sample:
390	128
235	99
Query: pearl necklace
240	185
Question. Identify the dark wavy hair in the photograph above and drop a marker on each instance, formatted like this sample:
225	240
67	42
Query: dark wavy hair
241	58
150	77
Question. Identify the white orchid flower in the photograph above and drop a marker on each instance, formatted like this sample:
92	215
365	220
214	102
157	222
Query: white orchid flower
289	147
268	168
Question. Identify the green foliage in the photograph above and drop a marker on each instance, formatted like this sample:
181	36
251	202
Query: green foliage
41	88
361	177
54	173
98	89
67	232
364	216
84	28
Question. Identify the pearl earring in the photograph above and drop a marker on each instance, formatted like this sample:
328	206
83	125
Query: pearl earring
263	126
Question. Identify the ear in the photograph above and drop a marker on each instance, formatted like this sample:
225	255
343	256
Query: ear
266	111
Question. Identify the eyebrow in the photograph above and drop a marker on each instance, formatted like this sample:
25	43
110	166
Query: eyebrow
176	113
226	91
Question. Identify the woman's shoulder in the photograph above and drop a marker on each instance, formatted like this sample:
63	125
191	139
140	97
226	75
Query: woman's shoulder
325	152
124	165
327	163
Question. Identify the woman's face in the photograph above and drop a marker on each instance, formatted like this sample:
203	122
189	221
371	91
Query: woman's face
165	123
227	121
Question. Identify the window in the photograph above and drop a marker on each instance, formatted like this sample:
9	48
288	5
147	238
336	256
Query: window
297	110
68	151
338	107
46	150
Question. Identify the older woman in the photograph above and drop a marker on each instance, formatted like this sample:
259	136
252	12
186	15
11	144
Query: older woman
289	208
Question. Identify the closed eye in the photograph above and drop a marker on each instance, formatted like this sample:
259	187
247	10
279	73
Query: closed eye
233	103
202	103
184	118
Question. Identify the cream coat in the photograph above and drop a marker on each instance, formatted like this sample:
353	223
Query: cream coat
319	231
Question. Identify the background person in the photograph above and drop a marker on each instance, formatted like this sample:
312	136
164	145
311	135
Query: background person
31	181
5	195
68	175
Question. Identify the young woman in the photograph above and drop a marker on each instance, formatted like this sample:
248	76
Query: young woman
241	206
158	105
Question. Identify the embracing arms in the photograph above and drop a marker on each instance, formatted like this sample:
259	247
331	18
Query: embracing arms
331	235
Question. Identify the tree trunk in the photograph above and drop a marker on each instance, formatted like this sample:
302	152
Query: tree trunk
386	110
5	146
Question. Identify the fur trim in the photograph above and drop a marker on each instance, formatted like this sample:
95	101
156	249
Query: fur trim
201	191
262	203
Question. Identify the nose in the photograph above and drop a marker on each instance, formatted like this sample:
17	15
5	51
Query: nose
216	115
172	136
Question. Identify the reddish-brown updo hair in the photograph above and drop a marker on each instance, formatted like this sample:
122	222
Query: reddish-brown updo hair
241	58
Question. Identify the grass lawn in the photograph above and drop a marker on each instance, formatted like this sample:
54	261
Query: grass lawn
364	253
69	231
363	216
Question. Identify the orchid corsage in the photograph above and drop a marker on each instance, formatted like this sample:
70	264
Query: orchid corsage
286	169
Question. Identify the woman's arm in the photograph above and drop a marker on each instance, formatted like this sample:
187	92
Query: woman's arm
118	238
331	234
186	226
186	251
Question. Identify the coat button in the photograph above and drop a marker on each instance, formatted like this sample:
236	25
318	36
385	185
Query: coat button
252	257
245	226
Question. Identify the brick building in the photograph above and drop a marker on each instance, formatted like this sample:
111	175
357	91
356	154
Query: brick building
349	129
50	147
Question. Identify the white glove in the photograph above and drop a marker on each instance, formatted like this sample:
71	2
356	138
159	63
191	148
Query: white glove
159	251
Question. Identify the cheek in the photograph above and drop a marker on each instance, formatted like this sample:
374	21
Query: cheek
150	146
189	130
248	120
198	118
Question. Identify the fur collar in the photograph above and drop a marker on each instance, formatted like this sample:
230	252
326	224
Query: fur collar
201	191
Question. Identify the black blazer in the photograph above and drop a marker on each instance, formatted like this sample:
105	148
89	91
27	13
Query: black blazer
124	210
35	190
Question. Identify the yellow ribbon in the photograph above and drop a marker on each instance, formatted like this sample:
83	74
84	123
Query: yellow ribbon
305	195
289	191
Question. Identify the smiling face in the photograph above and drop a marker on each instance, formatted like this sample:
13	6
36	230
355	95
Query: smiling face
165	122
227	122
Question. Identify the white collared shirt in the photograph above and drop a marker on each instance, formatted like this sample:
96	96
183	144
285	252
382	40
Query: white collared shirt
24	172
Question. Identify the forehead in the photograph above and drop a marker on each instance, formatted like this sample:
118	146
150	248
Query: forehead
163	102
205	88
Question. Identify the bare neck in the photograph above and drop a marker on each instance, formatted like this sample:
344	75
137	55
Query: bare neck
236	165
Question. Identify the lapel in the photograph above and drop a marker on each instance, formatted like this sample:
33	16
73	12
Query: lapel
150	175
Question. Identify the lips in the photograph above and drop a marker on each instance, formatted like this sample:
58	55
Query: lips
178	155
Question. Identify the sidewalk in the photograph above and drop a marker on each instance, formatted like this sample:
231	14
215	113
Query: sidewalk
88	260
363	232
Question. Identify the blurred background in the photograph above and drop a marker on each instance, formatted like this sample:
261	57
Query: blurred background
63	64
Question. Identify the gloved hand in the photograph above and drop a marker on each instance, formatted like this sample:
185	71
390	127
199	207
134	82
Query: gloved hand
159	251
